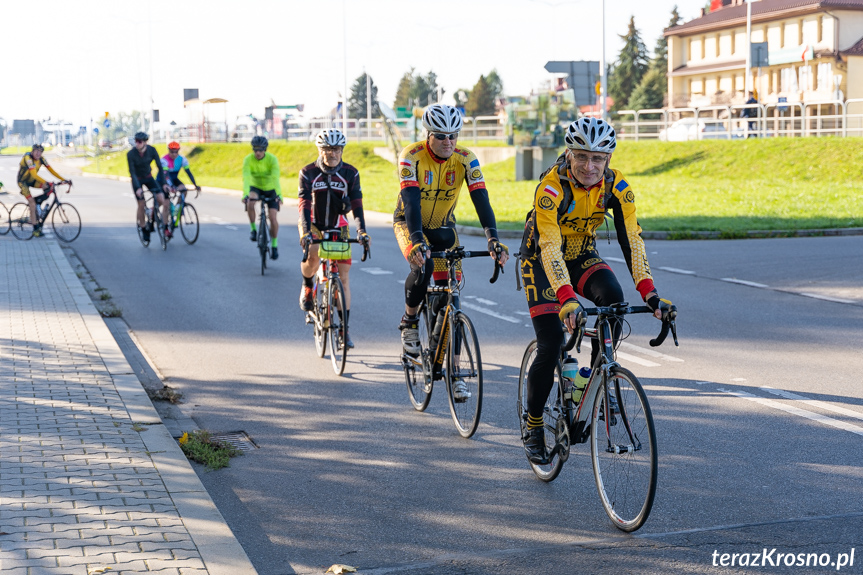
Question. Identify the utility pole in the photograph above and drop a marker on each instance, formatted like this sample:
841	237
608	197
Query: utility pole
345	67
747	81
602	70
368	106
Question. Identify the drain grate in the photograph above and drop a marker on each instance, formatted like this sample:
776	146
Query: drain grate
239	439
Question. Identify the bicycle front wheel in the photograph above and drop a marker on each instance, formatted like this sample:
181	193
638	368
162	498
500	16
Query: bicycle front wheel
418	372
4	220
623	450
319	315
66	222
464	375
19	218
552	415
263	242
336	311
189	224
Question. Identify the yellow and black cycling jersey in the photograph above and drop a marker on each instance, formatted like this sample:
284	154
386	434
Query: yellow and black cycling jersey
29	167
564	235
430	188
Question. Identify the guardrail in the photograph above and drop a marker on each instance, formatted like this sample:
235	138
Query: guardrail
784	119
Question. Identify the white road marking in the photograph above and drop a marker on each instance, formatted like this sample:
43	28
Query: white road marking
468	305
485	301
376	272
518	312
649	352
618	260
743	282
701	382
739	379
635	359
797	411
677	271
826	298
814	402
236	228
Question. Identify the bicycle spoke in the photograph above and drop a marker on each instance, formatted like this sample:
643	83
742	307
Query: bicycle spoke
464	375
418	370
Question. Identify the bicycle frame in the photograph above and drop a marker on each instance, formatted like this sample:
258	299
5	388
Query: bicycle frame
51	193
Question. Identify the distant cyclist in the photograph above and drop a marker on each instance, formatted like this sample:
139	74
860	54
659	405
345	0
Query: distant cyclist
431	173
172	163
559	257
28	177
329	189
261	182
140	159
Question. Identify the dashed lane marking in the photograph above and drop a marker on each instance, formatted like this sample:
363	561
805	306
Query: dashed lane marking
510	319
376	271
811	415
826	297
814	402
649	352
481	300
744	282
677	271
636	359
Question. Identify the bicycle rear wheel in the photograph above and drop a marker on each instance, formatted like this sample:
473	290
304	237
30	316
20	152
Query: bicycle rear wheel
263	240
418	372
160	227
66	222
623	451
336	311
4	220
553	416
319	317
189	224
19	218
464	369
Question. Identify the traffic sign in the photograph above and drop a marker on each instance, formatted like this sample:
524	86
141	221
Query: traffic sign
107	123
96	131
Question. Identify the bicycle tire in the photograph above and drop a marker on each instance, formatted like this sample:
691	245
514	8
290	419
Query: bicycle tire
319	315
263	239
336	311
464	345
66	222
5	225
189	226
626	481
160	228
551	414
418	372
19	220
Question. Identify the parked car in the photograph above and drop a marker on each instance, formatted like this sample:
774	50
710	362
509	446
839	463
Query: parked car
698	129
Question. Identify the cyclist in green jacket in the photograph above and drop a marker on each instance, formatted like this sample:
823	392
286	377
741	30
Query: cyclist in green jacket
261	182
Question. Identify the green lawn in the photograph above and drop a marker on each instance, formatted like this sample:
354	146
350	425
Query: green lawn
724	186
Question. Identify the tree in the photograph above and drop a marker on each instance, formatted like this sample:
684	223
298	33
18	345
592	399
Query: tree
416	89
630	67
651	91
495	84
357	103
480	102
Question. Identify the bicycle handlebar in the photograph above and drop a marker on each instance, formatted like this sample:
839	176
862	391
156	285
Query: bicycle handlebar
618	310
367	250
459	253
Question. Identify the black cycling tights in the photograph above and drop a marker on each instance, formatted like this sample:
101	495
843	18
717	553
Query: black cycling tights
601	288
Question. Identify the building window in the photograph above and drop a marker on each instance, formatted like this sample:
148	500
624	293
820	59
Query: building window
825	77
805	75
789	80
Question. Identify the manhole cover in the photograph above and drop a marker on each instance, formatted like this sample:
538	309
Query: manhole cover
239	439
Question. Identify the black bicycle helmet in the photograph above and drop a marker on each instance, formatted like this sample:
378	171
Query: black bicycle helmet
142	136
259	143
38	147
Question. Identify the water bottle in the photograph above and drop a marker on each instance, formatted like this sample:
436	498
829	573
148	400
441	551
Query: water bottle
437	326
580	383
568	371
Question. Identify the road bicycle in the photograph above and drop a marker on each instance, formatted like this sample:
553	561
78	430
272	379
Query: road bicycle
263	234
613	415
449	348
65	220
5	226
328	316
153	222
184	215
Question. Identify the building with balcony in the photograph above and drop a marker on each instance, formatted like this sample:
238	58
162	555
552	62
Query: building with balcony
814	48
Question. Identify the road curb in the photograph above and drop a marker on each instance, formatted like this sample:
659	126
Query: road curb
219	549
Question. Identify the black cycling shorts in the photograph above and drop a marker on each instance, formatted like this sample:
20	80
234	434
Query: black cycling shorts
151	185
269	197
174	179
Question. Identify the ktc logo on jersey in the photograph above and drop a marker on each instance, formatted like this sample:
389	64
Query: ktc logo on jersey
450	178
428	178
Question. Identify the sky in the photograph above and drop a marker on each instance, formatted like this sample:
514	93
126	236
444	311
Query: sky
75	60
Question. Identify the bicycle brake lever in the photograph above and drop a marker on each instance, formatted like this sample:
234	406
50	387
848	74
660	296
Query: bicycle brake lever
674	333
305	253
578	340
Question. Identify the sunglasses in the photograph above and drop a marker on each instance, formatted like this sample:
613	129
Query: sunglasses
329	150
140	141
445	136
259	149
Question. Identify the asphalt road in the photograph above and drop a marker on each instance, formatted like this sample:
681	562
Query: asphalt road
759	412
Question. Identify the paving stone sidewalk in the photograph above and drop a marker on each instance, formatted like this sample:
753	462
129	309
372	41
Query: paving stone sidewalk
90	479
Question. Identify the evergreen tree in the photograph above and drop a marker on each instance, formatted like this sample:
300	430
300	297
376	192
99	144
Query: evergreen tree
480	102
495	84
460	96
660	53
652	89
357	104
630	67
416	90
403	92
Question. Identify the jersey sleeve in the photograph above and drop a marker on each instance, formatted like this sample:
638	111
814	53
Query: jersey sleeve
479	195
547	199
304	194
622	204
410	196
136	183
355	193
275	174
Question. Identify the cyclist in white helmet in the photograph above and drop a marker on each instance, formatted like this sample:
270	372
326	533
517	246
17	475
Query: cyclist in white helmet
329	189
559	259
431	174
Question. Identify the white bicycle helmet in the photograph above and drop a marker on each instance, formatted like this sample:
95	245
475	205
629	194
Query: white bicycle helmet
591	135
330	138
442	118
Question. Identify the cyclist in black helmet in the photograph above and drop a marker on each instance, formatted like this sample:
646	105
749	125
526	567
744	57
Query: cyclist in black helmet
261	182
140	159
